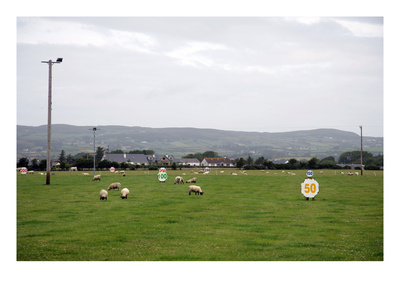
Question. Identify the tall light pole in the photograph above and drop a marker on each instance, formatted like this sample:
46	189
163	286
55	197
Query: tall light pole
48	168
361	152
94	150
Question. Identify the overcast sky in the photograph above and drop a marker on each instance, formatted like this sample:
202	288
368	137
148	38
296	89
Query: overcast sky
264	74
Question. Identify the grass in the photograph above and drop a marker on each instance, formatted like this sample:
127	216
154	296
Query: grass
258	217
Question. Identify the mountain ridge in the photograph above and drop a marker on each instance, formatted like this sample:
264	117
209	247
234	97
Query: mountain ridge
180	141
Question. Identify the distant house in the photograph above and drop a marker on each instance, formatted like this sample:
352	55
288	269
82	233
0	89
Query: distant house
133	159
166	159
190	162
352	166
217	162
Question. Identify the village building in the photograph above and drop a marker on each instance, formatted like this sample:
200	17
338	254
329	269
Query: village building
217	162
193	162
133	159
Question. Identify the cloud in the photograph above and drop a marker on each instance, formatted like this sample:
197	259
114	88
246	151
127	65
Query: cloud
55	32
362	29
196	54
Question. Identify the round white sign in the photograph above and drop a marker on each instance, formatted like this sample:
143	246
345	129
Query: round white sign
112	169
23	170
310	173
309	188
162	175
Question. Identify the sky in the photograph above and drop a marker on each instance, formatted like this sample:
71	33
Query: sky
264	74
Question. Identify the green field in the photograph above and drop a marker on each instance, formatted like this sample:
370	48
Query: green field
258	217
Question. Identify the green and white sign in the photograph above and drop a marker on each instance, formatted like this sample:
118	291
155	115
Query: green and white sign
162	174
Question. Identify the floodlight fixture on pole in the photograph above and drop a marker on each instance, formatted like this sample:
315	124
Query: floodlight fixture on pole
48	167
361	152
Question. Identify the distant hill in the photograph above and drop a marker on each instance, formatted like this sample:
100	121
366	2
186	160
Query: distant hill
304	144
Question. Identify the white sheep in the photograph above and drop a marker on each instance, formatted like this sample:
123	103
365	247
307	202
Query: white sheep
85	173
233	173
178	180
124	193
356	173
103	194
192	180
97	177
196	189
114	186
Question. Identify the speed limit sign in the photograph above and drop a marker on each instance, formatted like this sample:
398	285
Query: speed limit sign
162	175
309	188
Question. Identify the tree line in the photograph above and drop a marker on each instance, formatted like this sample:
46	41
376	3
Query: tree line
85	161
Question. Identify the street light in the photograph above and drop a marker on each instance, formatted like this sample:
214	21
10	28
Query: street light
48	168
94	150
361	152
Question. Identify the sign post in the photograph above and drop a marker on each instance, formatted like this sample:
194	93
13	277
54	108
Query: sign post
309	187
162	174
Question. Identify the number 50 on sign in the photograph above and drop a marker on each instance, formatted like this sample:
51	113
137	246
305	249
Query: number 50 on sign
310	188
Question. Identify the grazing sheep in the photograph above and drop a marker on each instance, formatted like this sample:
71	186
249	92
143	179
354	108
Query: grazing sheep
233	173
85	173
193	180
122	172
196	189
97	177
179	180
356	173
31	172
321	172
114	186
342	173
124	193
103	194
73	169
350	173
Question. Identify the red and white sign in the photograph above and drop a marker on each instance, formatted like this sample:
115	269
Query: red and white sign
162	175
112	169
23	170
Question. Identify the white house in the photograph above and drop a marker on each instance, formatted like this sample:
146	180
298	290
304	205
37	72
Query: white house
190	162
217	162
